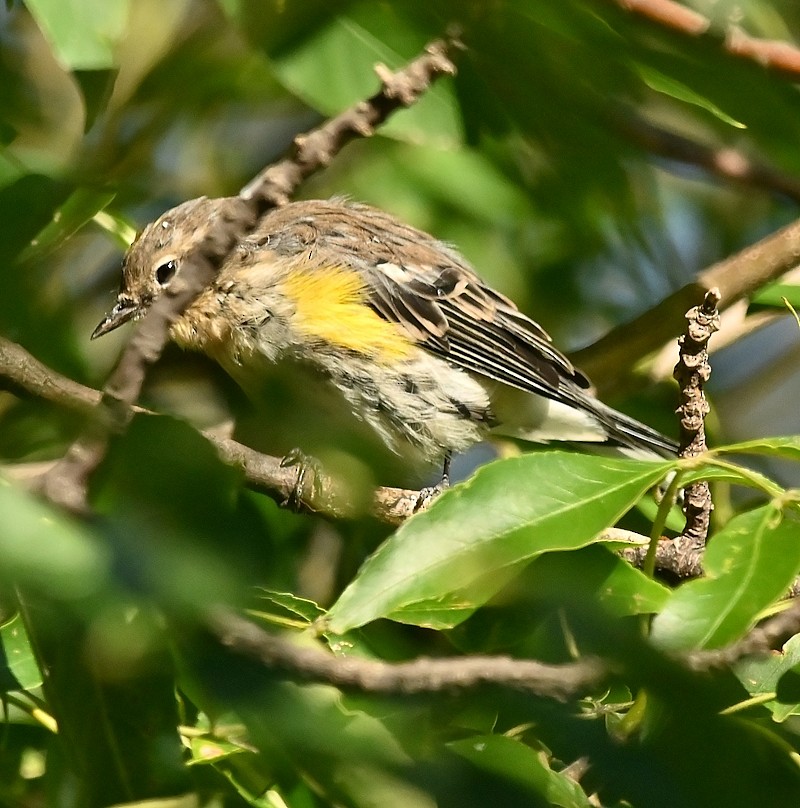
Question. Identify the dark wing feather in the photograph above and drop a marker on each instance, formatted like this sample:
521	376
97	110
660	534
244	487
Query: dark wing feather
451	313
428	289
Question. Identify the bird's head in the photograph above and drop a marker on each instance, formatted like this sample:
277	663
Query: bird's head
154	259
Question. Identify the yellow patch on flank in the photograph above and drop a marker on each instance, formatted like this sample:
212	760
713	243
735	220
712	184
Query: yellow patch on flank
330	306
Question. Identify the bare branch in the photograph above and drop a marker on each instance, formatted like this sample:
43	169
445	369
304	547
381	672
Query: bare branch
670	14
724	162
20	372
681	556
779	57
423	675
313	150
692	372
735	277
23	373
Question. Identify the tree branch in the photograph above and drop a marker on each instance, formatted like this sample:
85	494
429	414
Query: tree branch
311	663
776	56
767	636
24	374
681	557
735	277
724	162
692	372
423	675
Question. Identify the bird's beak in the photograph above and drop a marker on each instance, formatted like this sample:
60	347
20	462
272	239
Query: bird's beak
120	314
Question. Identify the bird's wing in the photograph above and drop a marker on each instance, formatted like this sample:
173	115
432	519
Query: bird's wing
455	315
446	308
428	289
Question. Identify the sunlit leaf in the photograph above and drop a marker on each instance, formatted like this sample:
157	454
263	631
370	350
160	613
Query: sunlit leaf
509	512
667	85
776	296
83	33
278	604
19	670
82	206
46	550
750	563
519	763
786	446
119	228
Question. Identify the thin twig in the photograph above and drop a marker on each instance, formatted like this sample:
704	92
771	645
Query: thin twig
774	55
317	148
735	278
692	371
725	162
423	675
680	557
24	374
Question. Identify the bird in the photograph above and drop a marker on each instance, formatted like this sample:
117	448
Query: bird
391	321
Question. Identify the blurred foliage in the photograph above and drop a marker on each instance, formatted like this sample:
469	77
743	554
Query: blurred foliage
529	161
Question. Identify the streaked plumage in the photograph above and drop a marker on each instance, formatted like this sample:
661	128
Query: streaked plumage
397	321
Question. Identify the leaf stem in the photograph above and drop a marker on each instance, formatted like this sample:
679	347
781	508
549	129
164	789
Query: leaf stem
753	701
33	710
664	507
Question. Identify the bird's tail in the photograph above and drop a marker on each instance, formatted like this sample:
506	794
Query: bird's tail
629	433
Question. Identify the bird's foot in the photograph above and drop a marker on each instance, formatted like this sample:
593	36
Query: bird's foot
307	472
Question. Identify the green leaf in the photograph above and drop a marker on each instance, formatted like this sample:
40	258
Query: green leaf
775	296
786	446
764	675
749	565
519	763
119	228
82	33
511	511
789	688
733	474
617	586
82	206
210	749
277	604
45	550
19	670
656	80
171	504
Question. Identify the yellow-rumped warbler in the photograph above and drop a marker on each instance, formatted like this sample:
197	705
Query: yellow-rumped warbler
398	323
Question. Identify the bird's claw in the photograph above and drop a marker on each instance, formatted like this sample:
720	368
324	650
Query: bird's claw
307	466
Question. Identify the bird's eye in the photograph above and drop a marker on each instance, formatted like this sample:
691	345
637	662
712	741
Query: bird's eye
166	272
